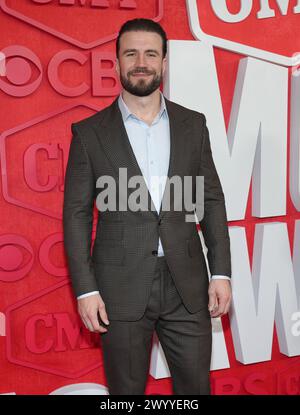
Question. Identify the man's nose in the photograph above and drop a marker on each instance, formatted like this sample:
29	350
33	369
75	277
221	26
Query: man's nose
140	61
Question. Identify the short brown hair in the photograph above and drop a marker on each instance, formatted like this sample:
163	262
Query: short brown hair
146	25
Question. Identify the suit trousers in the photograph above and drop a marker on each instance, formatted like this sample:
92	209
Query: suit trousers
186	339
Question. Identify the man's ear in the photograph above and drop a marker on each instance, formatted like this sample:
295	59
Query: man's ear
117	66
164	65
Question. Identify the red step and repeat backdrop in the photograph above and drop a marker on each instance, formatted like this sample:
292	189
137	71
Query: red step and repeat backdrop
236	61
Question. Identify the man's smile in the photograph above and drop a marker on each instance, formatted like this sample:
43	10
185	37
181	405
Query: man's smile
141	74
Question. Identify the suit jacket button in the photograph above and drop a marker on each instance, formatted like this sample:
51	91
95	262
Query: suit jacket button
154	252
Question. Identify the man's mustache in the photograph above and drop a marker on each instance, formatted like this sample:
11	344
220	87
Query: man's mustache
140	71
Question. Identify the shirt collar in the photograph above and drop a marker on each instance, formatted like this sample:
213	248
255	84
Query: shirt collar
126	112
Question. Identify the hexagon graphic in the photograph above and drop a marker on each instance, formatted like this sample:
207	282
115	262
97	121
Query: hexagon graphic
279	47
104	17
43	141
45	332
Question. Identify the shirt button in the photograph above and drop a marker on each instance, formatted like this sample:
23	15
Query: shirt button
151	162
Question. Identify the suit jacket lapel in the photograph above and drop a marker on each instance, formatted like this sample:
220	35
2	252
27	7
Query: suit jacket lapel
113	137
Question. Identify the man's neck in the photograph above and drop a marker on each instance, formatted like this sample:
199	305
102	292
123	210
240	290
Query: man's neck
145	108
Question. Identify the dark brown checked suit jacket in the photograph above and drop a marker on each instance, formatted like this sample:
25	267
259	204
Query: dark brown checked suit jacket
121	264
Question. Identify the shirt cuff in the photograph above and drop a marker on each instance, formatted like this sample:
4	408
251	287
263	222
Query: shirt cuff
87	294
220	277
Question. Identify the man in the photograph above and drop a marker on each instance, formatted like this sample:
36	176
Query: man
147	271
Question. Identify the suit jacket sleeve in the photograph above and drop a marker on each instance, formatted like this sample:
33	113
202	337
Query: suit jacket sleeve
214	222
78	216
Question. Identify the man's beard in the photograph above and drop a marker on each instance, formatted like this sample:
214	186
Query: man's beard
142	88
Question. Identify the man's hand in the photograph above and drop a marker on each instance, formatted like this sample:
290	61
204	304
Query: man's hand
219	292
88	308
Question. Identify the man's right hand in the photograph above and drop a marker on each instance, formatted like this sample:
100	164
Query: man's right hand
88	308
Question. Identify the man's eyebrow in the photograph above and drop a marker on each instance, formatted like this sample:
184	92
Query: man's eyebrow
153	51
135	50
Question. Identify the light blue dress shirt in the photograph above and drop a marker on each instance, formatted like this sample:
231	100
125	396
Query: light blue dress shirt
151	147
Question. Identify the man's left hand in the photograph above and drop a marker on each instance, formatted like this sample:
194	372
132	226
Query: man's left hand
219	292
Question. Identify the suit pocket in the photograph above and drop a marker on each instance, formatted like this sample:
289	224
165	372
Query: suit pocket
108	255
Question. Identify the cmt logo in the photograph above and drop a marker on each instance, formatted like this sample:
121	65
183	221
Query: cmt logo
42	335
66	333
24	183
103	17
230	25
123	4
